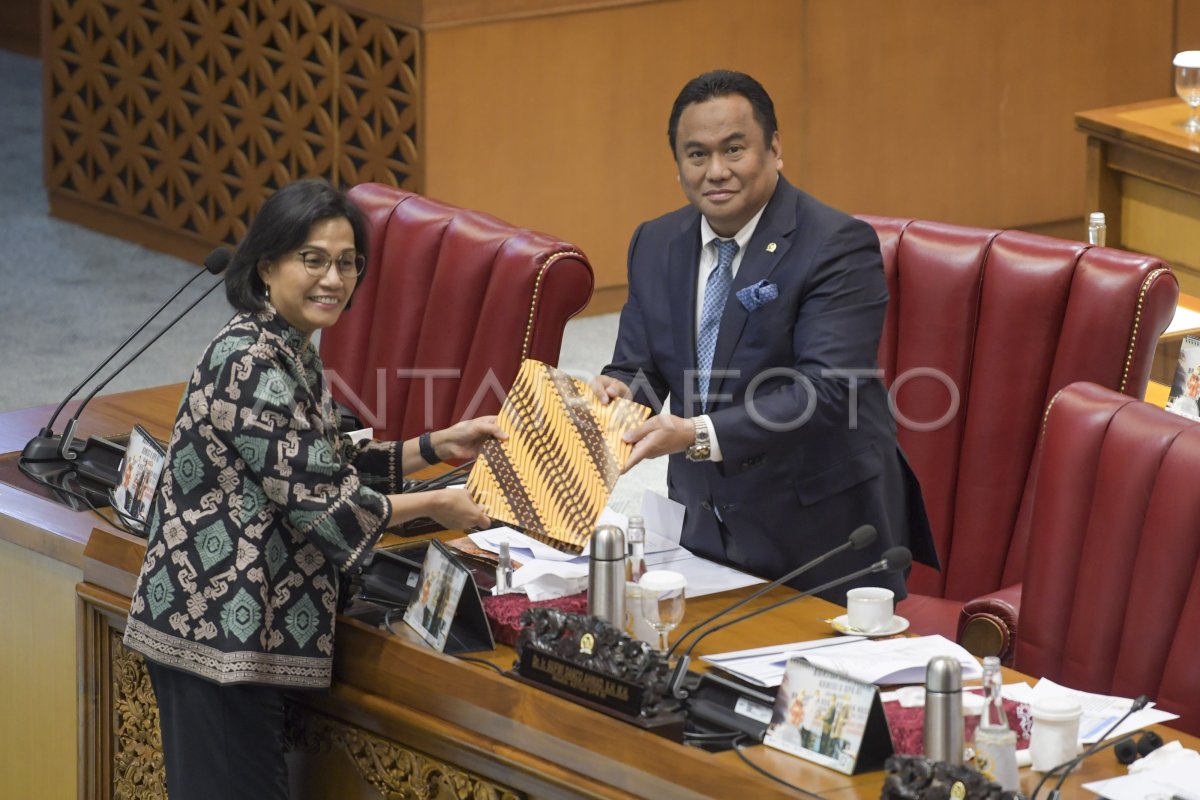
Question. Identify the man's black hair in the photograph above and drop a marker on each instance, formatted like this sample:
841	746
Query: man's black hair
722	83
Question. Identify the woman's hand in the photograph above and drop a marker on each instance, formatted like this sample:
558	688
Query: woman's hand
465	439
454	509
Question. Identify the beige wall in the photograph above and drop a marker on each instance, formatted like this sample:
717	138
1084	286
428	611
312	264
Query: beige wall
559	122
38	685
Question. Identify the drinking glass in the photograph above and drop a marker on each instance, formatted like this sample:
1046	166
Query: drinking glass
663	602
1187	85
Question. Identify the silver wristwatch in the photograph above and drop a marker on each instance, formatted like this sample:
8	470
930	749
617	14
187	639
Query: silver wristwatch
701	449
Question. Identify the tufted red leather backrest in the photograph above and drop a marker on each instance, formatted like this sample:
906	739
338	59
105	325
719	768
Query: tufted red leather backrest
453	300
983	327
1111	596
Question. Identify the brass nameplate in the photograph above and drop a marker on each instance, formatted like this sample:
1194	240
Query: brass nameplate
605	690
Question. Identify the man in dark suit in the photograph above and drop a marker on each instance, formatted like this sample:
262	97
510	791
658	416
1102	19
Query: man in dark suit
759	310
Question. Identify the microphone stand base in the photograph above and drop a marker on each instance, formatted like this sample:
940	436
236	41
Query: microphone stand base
92	473
716	705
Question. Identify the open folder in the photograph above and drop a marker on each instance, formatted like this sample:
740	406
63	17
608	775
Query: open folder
554	474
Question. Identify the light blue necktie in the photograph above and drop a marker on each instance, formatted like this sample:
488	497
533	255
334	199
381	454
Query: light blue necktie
716	291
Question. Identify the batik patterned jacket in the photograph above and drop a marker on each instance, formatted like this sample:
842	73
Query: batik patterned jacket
262	504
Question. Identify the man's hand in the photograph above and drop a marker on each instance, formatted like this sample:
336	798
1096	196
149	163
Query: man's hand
660	435
465	439
608	387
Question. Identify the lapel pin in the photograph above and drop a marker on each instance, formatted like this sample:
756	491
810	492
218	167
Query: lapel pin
771	247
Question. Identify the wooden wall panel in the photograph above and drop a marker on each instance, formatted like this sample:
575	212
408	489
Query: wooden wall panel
1187	25
939	109
962	112
20	28
559	123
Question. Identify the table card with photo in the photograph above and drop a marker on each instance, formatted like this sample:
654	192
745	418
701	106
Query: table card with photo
447	611
829	719
1185	387
141	469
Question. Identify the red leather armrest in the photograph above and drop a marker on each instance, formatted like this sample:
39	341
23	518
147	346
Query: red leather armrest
987	625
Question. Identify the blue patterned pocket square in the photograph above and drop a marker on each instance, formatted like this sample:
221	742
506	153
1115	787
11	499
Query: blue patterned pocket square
755	297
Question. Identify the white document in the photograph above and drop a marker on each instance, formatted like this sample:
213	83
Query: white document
764	666
664	519
1177	780
1101	711
522	548
893	661
1185	319
547	573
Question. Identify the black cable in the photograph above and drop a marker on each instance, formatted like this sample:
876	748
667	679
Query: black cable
1076	761
483	661
40	481
710	737
448	478
737	748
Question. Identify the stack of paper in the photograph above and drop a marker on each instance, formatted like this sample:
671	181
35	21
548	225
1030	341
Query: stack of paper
881	661
548	572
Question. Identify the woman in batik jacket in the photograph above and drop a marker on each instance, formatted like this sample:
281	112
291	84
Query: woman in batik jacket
264	506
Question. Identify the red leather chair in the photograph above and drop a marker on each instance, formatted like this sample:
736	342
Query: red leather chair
982	329
1111	597
452	302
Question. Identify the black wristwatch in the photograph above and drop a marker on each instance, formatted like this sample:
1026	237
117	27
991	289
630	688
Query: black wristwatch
701	449
425	442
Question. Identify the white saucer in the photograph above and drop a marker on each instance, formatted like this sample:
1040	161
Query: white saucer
898	624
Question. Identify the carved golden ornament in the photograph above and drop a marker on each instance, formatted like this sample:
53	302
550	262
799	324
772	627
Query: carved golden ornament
187	115
587	643
391	769
137	762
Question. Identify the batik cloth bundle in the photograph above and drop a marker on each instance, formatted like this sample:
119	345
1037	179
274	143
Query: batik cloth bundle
554	474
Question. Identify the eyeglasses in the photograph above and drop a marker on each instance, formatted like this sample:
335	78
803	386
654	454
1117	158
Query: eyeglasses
317	262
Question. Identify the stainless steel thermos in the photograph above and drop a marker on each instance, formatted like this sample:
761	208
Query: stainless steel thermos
606	576
943	710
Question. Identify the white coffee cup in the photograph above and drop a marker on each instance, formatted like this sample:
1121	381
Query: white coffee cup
869	608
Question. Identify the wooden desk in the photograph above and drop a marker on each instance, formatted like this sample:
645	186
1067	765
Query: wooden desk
1143	172
399	717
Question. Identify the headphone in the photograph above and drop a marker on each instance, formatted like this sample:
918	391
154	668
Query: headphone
1129	751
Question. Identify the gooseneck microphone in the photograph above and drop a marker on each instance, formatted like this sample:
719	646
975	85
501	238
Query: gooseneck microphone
862	536
895	559
47	454
1064	769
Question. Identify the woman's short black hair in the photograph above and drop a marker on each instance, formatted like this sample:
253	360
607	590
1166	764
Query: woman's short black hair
280	227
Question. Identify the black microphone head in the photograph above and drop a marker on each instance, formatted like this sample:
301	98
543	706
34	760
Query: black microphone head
897	559
862	536
216	261
1139	702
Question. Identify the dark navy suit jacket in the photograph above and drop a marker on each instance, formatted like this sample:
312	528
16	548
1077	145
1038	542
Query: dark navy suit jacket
785	492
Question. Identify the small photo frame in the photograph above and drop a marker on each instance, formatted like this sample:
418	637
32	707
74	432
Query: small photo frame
431	612
140	472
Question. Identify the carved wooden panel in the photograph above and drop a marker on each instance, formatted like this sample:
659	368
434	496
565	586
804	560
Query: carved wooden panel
186	114
122	745
393	770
